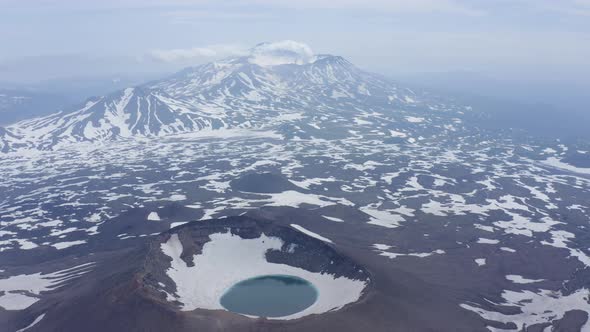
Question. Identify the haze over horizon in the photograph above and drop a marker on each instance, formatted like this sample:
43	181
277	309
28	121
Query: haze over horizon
473	47
399	36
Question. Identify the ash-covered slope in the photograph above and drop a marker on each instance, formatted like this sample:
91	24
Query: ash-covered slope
265	89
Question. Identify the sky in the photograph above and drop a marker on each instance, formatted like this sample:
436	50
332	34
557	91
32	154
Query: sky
542	40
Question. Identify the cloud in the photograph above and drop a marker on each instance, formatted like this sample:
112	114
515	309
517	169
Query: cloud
282	52
265	54
197	53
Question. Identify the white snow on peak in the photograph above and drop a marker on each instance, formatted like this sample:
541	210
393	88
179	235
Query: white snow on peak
281	53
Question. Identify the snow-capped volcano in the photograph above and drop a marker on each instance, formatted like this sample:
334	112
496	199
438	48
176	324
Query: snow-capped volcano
274	84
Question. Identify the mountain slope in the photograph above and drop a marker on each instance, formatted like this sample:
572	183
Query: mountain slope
132	112
233	93
8	140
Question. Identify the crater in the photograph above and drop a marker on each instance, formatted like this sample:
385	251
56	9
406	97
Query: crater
254	268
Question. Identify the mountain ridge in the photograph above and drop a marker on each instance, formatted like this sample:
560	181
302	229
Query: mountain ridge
231	93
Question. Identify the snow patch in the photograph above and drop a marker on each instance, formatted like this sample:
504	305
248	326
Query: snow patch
310	233
557	163
333	218
480	261
482	240
153	216
535	308
382	218
517	279
37	320
35	284
67	244
414	119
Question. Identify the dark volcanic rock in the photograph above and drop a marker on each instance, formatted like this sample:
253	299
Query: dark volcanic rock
263	183
573	320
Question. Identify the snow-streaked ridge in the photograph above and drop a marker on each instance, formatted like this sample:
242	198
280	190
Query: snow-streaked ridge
241	92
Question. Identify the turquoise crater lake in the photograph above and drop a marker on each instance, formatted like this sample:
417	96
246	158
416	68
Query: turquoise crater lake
270	296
